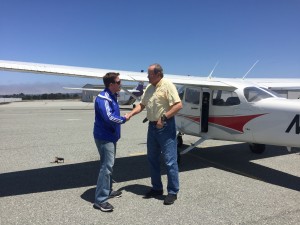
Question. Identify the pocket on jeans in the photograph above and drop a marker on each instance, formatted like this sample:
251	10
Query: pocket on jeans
163	128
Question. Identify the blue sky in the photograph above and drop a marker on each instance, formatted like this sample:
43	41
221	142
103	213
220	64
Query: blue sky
185	37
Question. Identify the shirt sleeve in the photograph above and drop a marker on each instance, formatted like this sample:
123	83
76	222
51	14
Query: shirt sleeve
173	95
145	96
108	114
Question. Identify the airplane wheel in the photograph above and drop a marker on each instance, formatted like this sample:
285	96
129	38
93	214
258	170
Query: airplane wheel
257	148
179	141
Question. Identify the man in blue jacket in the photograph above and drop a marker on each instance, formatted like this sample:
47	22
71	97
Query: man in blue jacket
107	131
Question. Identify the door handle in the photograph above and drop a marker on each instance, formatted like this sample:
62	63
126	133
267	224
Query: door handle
194	108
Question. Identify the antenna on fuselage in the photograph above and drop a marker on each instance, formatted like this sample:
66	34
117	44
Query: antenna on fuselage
210	75
250	69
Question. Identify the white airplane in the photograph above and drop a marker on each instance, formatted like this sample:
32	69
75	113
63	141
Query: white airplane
242	110
125	96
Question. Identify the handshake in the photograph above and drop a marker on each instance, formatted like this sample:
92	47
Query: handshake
127	116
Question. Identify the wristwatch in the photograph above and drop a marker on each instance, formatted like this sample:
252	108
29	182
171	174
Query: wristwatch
164	118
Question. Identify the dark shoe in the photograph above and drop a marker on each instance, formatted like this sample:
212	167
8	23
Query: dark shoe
104	207
170	199
115	194
153	193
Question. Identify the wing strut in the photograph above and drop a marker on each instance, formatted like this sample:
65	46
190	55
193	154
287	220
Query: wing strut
193	146
129	93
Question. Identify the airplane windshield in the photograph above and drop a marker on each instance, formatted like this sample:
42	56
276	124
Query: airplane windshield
254	94
272	92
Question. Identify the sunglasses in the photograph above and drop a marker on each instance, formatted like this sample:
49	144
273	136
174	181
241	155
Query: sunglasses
117	82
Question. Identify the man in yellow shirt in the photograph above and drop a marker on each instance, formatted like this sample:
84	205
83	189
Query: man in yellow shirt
162	102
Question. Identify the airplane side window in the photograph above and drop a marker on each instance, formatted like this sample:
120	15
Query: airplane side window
219	102
234	100
192	96
225	98
254	94
217	98
181	92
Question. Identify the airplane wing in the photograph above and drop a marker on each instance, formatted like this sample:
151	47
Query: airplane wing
86	72
278	83
132	90
82	89
97	89
61	70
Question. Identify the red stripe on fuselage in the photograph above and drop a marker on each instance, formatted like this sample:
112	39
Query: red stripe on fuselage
233	122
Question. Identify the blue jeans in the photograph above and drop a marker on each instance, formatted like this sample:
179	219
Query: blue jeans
163	141
107	151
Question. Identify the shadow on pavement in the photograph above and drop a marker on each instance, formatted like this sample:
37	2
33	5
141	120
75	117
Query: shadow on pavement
234	158
138	189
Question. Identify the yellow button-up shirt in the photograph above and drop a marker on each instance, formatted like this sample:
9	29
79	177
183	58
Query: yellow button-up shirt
158	99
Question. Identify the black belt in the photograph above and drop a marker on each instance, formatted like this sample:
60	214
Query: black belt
155	122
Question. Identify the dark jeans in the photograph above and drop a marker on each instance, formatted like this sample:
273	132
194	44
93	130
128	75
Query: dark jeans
163	141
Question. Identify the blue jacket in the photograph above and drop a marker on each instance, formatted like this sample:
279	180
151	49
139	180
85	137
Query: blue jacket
108	121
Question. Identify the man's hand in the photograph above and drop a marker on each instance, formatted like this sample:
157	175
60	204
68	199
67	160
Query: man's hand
160	124
127	116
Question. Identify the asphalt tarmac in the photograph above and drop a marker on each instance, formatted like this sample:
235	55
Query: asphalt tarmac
220	182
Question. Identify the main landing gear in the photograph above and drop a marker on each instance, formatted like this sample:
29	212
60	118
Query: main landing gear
179	140
179	144
257	148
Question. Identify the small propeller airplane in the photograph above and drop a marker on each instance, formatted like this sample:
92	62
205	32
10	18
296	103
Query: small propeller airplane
125	96
242	110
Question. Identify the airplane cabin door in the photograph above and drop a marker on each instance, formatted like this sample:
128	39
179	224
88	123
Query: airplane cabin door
205	110
189	119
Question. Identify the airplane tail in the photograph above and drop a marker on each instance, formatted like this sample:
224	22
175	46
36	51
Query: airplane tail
140	88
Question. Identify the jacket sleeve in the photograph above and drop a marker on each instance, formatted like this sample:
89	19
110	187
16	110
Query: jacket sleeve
107	113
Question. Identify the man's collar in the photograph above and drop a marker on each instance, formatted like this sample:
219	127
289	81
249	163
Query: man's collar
159	83
110	93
